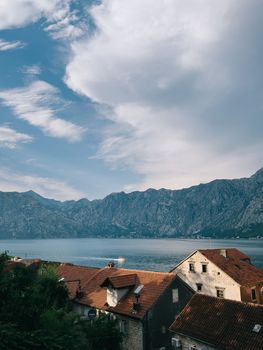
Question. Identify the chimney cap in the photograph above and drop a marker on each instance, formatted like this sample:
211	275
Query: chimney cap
223	252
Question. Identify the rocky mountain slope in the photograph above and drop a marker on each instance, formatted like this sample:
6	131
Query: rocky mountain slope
221	208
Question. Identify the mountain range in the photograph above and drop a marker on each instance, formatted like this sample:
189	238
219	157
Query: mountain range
219	209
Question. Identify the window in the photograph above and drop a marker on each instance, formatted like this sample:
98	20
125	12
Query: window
199	287
220	292
123	326
175	295
191	267
253	294
204	268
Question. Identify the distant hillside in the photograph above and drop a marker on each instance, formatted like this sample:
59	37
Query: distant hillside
220	209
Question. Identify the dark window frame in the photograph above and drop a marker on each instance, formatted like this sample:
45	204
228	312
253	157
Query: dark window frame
220	292
199	287
204	268
191	267
253	294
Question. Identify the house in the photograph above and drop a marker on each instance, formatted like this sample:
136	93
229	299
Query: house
210	323
145	303
224	273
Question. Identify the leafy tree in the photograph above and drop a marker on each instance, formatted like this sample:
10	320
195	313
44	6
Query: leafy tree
36	314
103	333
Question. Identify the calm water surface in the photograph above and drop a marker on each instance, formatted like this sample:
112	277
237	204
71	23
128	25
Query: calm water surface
147	254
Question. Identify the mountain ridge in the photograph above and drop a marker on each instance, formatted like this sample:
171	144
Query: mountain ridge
219	209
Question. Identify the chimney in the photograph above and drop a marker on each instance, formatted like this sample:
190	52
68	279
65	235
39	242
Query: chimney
136	307
137	294
223	252
111	264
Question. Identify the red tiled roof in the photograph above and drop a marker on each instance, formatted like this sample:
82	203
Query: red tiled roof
95	296
225	324
72	272
10	264
120	281
236	265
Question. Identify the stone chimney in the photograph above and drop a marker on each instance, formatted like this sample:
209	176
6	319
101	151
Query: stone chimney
223	252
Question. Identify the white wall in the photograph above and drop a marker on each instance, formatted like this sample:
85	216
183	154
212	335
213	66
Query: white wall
214	277
115	295
188	342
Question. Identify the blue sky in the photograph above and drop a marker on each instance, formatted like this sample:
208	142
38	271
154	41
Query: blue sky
117	95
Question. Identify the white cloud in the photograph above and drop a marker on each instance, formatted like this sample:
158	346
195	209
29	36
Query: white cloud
173	74
9	138
38	104
31	70
47	187
142	49
11	45
68	26
61	21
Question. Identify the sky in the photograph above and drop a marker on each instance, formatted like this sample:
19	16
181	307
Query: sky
118	95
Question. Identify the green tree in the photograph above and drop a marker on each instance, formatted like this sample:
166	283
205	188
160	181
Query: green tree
103	333
36	313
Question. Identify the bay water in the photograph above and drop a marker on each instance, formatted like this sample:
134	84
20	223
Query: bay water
146	254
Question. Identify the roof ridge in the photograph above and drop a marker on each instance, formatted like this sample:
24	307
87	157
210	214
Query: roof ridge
152	272
226	248
244	303
81	266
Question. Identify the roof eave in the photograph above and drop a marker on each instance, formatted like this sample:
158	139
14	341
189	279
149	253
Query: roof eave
196	339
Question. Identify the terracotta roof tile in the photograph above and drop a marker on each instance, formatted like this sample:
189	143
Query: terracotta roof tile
95	296
225	324
72	272
120	281
237	265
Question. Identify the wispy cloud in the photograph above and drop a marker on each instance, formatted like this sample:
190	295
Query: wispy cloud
10	138
182	85
11	45
11	180
38	104
66	25
60	20
31	70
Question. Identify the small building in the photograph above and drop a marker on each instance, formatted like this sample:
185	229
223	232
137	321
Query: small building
144	302
209	323
224	273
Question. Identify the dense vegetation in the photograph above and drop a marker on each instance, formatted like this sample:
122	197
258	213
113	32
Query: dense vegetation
35	313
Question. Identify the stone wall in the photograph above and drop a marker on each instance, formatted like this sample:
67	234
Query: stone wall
212	279
133	333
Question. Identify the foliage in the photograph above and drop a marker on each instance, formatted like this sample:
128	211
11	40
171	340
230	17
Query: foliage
36	314
106	326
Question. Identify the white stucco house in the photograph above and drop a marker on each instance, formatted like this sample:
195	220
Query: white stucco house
222	273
